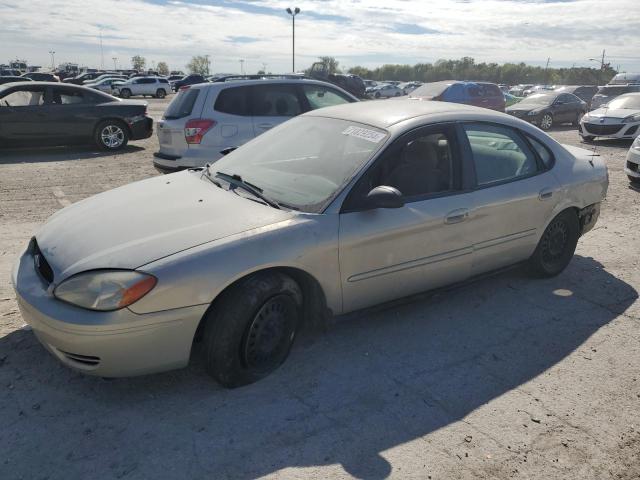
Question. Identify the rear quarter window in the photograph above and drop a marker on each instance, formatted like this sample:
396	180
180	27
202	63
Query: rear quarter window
182	105
234	101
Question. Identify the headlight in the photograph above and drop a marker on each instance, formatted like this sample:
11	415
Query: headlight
631	118
105	290
636	143
533	112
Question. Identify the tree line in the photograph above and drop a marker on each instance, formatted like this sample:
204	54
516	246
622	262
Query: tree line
466	68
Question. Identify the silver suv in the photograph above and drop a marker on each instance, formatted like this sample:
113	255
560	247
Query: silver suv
205	120
152	86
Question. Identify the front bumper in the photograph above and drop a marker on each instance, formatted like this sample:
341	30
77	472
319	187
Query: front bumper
609	129
109	344
632	163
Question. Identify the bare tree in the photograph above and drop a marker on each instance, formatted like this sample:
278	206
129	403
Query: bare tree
163	68
138	62
199	64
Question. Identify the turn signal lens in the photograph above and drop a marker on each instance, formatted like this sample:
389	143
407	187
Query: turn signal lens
194	130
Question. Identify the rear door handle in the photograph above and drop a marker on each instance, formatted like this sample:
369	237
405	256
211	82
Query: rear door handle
457	216
545	194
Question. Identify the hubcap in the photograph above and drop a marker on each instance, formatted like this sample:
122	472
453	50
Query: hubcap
270	334
546	122
112	136
555	242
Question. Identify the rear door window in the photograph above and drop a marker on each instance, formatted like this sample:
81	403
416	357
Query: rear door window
234	101
182	104
25	97
276	101
64	96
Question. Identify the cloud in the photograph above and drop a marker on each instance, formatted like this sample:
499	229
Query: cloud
366	32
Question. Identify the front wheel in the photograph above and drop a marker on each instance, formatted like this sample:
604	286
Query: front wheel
125	93
160	93
250	330
557	245
546	122
111	135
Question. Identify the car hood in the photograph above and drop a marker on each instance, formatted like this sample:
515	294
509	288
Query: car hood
141	222
610	113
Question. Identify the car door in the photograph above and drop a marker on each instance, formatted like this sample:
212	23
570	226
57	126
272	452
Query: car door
562	109
22	117
390	253
514	196
71	113
273	104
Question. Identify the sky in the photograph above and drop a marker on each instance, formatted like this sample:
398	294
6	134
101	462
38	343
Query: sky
357	32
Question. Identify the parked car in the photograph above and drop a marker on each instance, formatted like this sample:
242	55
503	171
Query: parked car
79	80
106	85
632	165
41	77
10	72
518	90
537	89
192	79
510	99
479	94
143	86
12	79
620	118
549	108
173	78
325	214
625	78
583	92
607	93
409	87
106	75
46	113
385	91
205	120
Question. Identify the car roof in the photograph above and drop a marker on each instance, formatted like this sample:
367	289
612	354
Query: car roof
270	81
385	113
53	84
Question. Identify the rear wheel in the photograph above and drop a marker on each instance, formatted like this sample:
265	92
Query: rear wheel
546	122
160	93
125	93
557	245
111	135
250	329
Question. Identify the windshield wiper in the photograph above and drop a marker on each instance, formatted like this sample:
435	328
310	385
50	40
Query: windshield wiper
237	180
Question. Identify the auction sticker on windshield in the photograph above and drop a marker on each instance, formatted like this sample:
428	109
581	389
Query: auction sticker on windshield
364	134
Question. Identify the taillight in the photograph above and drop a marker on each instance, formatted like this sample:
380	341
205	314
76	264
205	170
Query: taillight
185	87
194	130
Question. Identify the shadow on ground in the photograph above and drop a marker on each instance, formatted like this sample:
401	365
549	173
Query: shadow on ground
59	154
375	380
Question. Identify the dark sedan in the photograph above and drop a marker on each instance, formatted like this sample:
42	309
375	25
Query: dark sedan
192	79
549	108
12	79
47	113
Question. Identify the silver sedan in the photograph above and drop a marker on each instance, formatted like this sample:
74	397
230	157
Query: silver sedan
333	211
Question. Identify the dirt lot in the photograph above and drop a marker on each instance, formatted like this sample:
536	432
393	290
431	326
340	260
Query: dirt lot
505	378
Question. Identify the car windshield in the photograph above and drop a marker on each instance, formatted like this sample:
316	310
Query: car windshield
538	99
430	89
632	102
304	162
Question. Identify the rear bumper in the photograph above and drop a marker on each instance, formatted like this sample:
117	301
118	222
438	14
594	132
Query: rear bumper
142	128
191	158
109	344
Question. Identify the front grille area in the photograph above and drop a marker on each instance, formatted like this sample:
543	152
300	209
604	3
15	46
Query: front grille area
87	360
632	130
40	263
634	167
597	129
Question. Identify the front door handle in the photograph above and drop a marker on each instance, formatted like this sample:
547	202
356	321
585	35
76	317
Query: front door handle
457	216
545	194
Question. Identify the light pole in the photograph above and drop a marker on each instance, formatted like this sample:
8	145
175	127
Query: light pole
293	14
115	62
241	67
208	63
53	59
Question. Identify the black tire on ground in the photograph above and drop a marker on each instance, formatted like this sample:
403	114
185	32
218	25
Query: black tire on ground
556	246
634	180
546	122
125	93
377	95
111	135
160	93
249	331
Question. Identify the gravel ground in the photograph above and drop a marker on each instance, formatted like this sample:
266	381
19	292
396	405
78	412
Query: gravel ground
508	377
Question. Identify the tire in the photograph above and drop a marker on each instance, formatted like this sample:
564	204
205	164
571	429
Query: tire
250	330
588	138
125	93
546	122
556	246
160	93
377	95
111	135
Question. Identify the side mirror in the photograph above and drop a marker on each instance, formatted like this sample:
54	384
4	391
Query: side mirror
384	196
